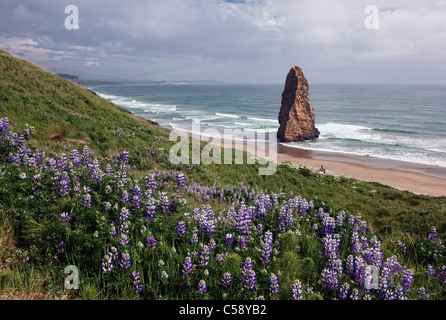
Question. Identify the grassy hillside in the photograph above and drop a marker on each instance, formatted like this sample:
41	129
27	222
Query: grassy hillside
91	177
65	115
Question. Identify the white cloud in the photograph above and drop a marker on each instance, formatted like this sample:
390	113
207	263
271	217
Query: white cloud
251	40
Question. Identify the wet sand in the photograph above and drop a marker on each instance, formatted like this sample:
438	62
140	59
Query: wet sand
416	178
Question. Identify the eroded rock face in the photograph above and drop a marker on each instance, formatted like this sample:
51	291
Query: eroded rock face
296	116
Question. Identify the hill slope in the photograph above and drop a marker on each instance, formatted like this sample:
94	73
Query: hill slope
65	114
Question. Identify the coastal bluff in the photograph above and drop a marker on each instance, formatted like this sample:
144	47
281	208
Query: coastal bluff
296	116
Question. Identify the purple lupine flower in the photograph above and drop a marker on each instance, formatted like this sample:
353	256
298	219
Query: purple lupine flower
107	206
329	278
114	253
442	276
221	257
273	284
124	156
4	128
164	275
124	196
31	162
165	202
374	256
212	245
64	217
249	276
343	291
242	242
61	246
152	183
86	200
62	163
151	243
187	268
181	180
355	294
194	237
407	280
113	231
136	197
150	209
297	290
37	178
74	158
124	214
286	217
399	293
202	287
422	293
355	268
226	280
204	256
391	266
76	191
430	271
356	245
107	263
181	228
108	189
328	225
335	263
340	217
64	183
124	240
136	276
108	169
206	220
267	247
402	246
125	261
229	239
85	159
94	171
331	244
433	237
243	220
123	170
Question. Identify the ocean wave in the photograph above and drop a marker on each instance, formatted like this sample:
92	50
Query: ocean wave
404	155
227	115
135	104
262	119
393	131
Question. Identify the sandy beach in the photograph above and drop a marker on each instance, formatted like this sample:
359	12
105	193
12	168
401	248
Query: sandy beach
417	178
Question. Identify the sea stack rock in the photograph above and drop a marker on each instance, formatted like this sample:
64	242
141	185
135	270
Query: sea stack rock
296	116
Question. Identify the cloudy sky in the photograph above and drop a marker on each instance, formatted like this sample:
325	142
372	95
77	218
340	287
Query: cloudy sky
250	41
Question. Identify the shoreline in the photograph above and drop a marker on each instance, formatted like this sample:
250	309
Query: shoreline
419	179
416	178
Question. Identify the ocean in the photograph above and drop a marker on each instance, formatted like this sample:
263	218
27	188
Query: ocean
396	122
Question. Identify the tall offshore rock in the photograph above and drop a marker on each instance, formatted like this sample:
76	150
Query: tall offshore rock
296	116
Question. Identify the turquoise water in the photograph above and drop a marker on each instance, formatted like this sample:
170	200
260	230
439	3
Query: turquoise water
398	122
